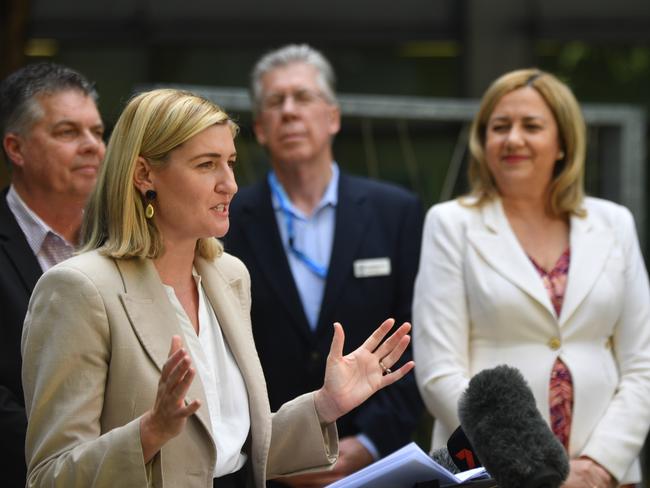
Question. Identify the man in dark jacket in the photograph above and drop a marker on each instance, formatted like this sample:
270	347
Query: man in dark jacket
323	246
52	137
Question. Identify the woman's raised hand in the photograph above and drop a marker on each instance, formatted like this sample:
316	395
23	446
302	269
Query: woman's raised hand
169	414
352	379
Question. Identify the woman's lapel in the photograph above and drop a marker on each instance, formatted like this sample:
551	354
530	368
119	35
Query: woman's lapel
230	302
497	244
154	321
590	249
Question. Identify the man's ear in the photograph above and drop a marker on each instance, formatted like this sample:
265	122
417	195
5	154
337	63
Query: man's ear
142	176
258	128
13	146
335	120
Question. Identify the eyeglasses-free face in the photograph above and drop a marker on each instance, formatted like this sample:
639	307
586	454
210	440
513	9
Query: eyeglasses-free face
522	143
194	187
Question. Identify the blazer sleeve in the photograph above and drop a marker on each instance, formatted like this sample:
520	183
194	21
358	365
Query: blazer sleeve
299	442
620	433
66	354
440	315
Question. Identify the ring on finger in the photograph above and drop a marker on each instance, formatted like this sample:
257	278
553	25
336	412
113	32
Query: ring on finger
384	369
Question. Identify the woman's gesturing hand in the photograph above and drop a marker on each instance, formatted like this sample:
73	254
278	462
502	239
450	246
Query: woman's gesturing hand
169	414
352	379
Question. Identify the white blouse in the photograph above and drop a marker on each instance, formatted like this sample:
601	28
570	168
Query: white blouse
222	381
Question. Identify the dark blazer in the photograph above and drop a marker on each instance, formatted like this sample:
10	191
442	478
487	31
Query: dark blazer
373	220
19	271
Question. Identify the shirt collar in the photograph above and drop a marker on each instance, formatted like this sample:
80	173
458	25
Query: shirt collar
30	223
330	196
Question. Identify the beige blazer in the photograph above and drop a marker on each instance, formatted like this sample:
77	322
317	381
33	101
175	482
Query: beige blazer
96	336
479	302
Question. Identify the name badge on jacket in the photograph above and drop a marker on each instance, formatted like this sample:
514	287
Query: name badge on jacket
367	268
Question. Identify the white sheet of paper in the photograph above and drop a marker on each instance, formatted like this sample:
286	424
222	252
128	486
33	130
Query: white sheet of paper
402	469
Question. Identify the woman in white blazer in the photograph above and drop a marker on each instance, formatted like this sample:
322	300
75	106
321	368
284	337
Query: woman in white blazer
527	271
109	402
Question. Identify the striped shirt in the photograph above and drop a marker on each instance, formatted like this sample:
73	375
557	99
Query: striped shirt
48	246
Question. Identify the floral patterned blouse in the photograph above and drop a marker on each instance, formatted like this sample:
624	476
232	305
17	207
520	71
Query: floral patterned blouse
561	384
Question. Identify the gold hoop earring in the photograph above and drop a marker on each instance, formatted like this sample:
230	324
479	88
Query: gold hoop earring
149	211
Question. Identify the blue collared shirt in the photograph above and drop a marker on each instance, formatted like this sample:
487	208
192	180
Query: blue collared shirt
313	236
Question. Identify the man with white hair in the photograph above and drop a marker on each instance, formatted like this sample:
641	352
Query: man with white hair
322	246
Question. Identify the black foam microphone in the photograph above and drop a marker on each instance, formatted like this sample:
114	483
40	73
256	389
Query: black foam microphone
499	415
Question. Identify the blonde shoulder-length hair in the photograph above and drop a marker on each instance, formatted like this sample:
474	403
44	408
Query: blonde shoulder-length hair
566	191
152	125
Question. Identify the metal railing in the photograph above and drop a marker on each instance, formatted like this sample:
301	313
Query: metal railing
619	146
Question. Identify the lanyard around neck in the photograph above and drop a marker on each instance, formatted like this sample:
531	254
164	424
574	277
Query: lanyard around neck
289	216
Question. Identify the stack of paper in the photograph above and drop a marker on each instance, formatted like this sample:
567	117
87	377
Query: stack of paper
404	468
